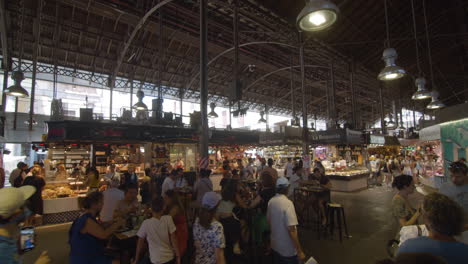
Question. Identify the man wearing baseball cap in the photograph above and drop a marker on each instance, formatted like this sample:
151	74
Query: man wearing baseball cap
282	219
11	215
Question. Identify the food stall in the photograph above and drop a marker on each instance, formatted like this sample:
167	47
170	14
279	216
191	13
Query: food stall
428	151
343	154
387	146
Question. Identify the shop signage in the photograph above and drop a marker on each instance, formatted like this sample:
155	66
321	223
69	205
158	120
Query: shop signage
354	137
379	140
327	137
338	136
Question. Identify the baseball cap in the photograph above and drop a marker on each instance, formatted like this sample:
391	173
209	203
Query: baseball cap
210	200
282	182
13	198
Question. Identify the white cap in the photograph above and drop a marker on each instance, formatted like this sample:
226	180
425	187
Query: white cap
13	198
282	182
210	200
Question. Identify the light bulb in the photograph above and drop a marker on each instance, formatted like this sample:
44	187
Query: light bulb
317	19
391	76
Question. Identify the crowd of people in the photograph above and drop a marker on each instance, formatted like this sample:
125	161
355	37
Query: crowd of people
179	222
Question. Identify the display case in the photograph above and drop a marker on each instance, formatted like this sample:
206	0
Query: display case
62	201
349	180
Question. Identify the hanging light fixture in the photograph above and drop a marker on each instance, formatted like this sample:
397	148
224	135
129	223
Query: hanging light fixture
262	119
389	56
422	93
212	114
140	105
435	102
390	124
312	126
16	89
317	15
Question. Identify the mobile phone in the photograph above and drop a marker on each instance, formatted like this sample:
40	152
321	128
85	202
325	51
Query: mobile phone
27	242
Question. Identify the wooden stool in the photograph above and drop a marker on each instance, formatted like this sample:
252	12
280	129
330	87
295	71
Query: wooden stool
337	210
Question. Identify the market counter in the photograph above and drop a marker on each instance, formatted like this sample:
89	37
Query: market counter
350	182
61	210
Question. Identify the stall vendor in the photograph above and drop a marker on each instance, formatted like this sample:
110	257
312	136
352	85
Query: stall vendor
61	174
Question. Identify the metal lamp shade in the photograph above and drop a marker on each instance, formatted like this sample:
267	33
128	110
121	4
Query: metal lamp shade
422	93
16	89
212	113
317	15
140	105
262	119
391	70
435	103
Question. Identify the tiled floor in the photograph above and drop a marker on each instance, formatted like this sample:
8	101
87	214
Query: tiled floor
368	215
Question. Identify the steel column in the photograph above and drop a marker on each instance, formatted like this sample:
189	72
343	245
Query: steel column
15	116
131	93
203	80
353	96
4	97
236	44
331	99
382	111
305	129
111	88
37	33
293	94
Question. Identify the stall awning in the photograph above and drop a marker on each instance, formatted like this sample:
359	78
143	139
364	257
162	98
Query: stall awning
98	131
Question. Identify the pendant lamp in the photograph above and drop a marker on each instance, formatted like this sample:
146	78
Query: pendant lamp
422	93
16	89
212	113
262	119
435	103
317	15
140	105
389	56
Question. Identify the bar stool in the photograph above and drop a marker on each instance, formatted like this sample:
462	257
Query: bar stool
337	210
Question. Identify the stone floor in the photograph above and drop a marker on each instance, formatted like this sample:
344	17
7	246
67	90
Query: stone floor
368	215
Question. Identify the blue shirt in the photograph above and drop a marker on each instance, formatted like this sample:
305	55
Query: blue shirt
452	252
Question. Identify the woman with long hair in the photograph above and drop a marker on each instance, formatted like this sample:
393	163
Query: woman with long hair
402	209
208	233
86	235
175	208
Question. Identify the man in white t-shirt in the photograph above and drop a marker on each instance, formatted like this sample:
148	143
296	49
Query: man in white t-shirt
169	182
282	219
159	232
112	196
288	169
